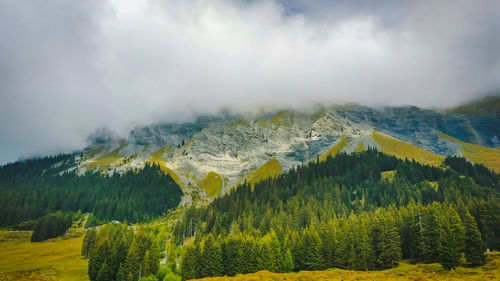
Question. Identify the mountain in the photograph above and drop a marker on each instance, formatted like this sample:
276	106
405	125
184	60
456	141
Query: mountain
215	153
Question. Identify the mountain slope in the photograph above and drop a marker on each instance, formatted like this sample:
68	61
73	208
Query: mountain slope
235	146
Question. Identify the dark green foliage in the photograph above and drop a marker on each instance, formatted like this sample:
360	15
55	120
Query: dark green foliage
481	175
340	213
451	239
50	226
190	265
89	241
210	261
32	189
104	273
387	240
123	254
474	245
232	249
308	253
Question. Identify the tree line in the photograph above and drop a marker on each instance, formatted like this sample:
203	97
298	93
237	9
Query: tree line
34	188
51	226
117	252
424	213
365	241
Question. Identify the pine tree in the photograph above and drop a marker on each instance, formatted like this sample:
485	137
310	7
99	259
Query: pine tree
233	255
120	275
89	242
390	243
97	259
249	257
365	251
474	245
211	258
189	265
266	259
132	264
311	250
146	265
451	239
287	265
104	273
430	231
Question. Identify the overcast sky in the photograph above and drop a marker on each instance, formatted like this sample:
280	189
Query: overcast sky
70	67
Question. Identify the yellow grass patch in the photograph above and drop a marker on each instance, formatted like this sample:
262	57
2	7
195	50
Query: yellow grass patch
360	148
487	107
212	184
388	175
283	118
109	158
405	271
156	158
404	150
241	122
489	157
93	152
334	150
55	259
271	168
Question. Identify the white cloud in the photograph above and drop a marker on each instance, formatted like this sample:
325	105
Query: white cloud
67	68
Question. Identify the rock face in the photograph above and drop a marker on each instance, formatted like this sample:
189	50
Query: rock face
233	146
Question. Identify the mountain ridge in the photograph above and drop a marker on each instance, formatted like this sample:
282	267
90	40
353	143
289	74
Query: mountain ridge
220	151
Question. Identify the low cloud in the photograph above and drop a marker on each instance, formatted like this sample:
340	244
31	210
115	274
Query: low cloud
69	67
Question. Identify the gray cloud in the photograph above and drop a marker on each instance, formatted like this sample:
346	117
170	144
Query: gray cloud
69	67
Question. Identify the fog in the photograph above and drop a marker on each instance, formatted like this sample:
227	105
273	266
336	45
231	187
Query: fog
68	68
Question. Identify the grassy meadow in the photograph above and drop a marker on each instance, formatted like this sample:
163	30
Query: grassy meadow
54	259
405	271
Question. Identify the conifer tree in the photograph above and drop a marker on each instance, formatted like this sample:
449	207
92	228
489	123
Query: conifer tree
311	257
390	244
97	259
474	245
451	239
133	261
365	251
287	265
104	273
120	275
146	265
249	255
265	256
430	233
233	255
88	242
189	265
211	258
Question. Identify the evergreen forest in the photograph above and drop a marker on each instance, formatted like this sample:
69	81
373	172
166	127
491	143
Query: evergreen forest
34	188
344	213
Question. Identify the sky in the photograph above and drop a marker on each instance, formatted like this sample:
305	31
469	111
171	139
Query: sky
68	68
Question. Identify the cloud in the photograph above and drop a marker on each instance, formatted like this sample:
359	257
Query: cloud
69	67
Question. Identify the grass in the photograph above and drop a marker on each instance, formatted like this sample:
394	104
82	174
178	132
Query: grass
388	175
271	168
283	118
486	107
55	259
157	158
360	148
405	271
93	152
489	157
335	149
241	122
104	161
404	150
212	184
